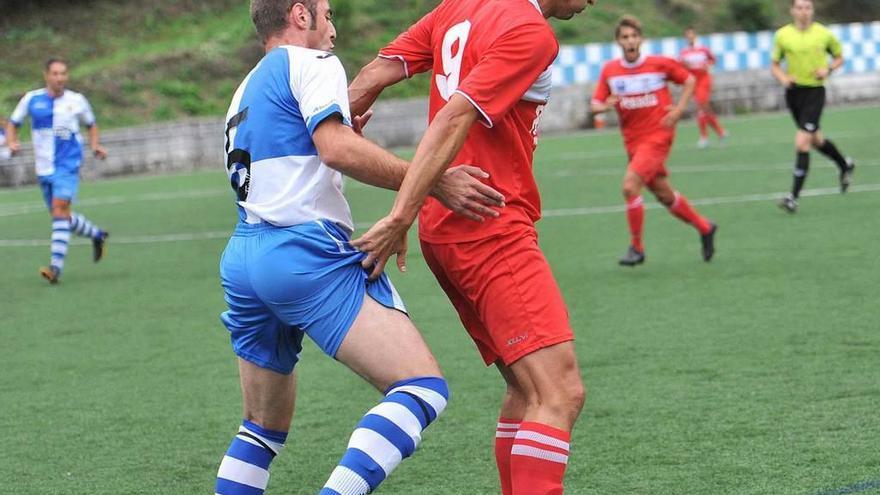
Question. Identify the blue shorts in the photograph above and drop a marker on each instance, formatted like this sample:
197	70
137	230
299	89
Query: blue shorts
60	185
283	282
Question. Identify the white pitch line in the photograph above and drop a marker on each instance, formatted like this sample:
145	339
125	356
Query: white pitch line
750	198
13	210
703	169
553	213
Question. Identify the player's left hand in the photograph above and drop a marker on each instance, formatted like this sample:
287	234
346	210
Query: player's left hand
100	152
461	191
383	240
673	115
823	73
360	121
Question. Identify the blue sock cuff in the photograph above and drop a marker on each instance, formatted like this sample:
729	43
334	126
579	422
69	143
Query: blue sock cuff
275	436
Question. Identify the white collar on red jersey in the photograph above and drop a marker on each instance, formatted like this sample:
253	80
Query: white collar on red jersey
537	6
632	65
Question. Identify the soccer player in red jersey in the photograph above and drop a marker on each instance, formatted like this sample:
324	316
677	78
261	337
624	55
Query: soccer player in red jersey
491	79
636	86
699	60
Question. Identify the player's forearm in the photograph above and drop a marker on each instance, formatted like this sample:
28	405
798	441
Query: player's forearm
836	63
371	81
779	74
94	138
443	140
597	107
686	93
11	134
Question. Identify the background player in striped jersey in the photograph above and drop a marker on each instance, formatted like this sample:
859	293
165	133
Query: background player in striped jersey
56	114
806	46
491	79
636	85
5	153
699	60
289	269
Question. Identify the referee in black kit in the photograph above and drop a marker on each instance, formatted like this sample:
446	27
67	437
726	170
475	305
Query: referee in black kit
806	46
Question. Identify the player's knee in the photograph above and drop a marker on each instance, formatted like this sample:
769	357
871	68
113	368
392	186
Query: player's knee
514	400
630	190
430	393
575	394
60	211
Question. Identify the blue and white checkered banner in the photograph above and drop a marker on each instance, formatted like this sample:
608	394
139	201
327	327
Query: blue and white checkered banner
580	64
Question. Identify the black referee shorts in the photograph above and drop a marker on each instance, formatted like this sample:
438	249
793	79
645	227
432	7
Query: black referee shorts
806	104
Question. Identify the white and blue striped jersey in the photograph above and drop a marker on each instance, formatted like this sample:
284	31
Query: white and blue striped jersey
272	162
55	125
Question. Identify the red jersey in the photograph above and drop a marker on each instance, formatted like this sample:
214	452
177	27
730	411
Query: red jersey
697	59
644	95
497	54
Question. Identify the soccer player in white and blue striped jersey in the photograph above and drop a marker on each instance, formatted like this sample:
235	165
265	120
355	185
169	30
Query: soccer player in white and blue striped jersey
289	269
56	115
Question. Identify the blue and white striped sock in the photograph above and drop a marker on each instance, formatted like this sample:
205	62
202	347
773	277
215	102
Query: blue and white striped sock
60	240
245	467
387	434
82	227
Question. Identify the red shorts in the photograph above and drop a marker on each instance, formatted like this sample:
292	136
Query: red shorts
647	157
703	90
504	292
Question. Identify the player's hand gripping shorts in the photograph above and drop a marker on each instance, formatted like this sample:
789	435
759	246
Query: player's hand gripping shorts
504	292
283	282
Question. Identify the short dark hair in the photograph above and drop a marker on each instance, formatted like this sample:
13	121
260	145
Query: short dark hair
270	16
54	60
630	22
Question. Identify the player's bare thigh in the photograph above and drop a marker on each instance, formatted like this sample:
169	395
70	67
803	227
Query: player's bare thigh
383	346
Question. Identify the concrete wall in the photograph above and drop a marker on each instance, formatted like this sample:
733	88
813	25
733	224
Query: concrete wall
193	144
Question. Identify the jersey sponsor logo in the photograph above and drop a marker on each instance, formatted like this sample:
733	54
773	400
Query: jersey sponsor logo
637	84
695	60
452	53
636	102
62	133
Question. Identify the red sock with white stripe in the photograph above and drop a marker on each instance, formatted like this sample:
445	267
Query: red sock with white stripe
504	436
682	209
538	459
635	216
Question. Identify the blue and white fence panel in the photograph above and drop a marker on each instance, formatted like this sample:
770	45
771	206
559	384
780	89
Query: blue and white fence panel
738	51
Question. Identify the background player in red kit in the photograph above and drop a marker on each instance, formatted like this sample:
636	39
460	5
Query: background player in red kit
636	86
699	60
491	80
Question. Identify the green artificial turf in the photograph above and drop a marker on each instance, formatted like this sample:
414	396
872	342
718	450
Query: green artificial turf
758	373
